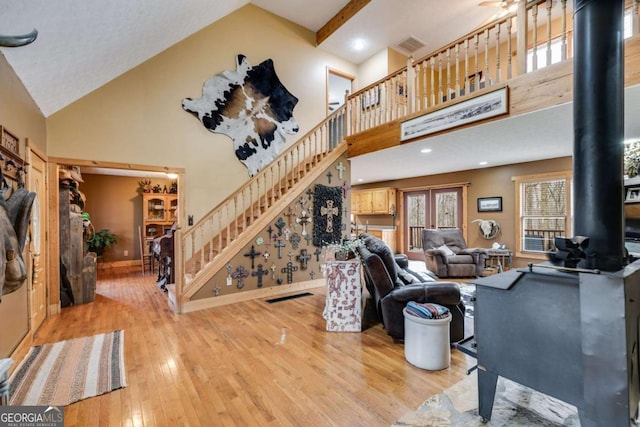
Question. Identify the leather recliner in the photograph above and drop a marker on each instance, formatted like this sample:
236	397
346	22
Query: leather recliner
446	254
393	286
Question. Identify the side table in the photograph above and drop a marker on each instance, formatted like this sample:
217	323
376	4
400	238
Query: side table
343	308
499	258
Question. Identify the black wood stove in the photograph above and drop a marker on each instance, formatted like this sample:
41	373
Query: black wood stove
569	327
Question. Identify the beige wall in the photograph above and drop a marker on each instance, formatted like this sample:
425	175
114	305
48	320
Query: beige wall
114	202
138	117
487	182
20	115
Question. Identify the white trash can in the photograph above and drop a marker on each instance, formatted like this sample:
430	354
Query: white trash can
426	341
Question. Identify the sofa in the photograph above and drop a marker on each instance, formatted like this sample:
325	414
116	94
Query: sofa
392	284
447	255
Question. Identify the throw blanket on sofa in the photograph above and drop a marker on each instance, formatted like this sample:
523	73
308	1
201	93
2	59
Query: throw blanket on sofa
427	310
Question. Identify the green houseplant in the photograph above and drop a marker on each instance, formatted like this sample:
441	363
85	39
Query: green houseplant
102	239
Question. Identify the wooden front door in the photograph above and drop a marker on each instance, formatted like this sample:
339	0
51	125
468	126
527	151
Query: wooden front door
36	255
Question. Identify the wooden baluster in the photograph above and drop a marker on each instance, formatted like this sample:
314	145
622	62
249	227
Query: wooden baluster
251	203
476	44
433	81
564	47
279	178
498	71
272	186
448	88
235	215
440	92
219	232
425	94
457	74
534	57
212	235
635	26
202	240
549	6
509	56
486	55
193	254
467	85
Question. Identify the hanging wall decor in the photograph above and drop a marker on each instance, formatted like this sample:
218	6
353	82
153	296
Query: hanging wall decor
252	107
327	215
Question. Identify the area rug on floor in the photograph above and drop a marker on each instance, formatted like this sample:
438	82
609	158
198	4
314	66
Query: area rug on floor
514	405
68	371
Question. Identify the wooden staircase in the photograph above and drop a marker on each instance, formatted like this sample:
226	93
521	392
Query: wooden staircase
211	243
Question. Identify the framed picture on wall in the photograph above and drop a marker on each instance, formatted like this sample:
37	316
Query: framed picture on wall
633	195
490	204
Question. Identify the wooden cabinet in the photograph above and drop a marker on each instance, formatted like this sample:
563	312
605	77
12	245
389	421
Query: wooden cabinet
158	213
374	201
386	235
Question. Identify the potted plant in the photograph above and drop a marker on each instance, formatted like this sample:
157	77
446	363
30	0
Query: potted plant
102	239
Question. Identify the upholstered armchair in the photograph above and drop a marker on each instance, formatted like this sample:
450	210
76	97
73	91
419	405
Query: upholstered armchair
446	254
392	287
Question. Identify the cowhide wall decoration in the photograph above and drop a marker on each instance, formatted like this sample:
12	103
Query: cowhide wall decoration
252	107
327	215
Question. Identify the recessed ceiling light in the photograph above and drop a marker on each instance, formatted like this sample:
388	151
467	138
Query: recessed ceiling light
358	44
483	163
426	150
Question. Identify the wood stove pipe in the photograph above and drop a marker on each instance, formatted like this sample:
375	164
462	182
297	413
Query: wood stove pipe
598	118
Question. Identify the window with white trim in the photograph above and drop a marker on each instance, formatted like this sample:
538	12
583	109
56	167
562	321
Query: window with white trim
544	211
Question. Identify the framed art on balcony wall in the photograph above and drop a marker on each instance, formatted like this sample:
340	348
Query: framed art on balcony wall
633	195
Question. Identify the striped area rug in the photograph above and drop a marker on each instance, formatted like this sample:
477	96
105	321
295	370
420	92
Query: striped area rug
68	371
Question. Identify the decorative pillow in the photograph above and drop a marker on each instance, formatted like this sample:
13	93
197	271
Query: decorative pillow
406	278
447	251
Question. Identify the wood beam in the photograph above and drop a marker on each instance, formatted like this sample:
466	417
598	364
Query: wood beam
339	19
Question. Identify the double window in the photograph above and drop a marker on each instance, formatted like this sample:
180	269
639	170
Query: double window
543	204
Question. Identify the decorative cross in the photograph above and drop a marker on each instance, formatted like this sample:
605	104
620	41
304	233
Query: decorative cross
260	272
273	270
289	269
216	290
312	273
290	255
295	240
302	202
330	211
341	168
308	238
329	175
240	274
303	258
317	253
270	231
291	212
345	187
287	234
303	219
280	244
309	194
280	225
266	256
252	254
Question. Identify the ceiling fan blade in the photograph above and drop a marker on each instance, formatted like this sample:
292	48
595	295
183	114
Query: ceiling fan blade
17	41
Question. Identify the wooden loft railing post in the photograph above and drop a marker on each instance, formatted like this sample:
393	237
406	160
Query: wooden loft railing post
634	18
411	85
521	37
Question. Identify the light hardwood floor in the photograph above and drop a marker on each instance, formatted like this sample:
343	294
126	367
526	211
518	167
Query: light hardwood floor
247	364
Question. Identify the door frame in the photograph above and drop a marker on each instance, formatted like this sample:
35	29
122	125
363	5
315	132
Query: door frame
339	74
53	242
464	186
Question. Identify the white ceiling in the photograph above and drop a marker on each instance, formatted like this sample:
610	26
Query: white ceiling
79	39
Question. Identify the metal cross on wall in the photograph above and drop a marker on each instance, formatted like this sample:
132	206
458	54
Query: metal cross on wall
291	212
259	273
280	244
240	274
329	211
303	258
280	225
252	254
295	240
289	269
341	168
317	253
303	220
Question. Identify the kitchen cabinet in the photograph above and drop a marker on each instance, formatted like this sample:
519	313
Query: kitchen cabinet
374	201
